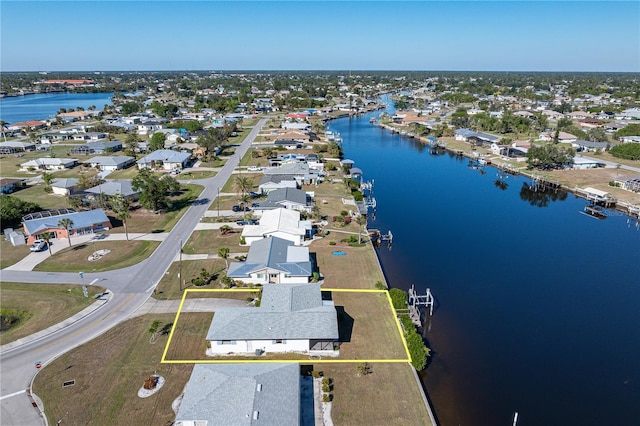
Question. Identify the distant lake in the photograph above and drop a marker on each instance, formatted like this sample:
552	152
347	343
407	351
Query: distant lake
538	306
15	109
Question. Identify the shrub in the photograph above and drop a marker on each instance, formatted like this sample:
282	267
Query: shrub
398	298
326	397
316	374
332	243
344	213
380	285
325	388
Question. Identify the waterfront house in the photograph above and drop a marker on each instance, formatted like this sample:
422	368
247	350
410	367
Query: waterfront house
296	126
47	221
288	198
582	163
273	260
111	163
165	158
242	394
629	183
27	125
290	318
281	223
68	117
272	182
50	163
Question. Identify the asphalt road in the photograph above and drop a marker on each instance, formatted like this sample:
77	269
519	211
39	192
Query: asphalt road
131	287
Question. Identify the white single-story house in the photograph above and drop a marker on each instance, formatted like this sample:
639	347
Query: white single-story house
99	147
272	182
281	223
290	318
167	158
630	139
288	198
562	137
112	163
89	136
50	163
242	394
273	260
113	188
582	163
64	186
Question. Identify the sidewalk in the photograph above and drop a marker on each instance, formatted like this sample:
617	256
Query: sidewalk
99	303
33	259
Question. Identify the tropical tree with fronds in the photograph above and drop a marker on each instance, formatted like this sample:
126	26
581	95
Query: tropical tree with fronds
66	223
223	252
47	237
120	206
47	178
243	184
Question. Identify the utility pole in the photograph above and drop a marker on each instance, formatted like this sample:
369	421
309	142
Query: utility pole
218	202
180	267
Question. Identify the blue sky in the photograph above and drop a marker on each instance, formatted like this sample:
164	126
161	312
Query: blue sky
310	35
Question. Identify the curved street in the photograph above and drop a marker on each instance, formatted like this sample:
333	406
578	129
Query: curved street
131	287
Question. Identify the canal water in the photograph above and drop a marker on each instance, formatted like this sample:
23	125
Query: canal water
15	109
538	306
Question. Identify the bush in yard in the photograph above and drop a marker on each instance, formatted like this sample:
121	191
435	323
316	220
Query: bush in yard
398	298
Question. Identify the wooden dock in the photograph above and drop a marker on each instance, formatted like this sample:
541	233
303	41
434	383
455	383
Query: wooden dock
419	303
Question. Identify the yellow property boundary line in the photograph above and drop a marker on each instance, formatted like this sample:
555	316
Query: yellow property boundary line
300	361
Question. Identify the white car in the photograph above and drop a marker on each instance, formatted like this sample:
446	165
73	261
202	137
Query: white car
38	245
254	168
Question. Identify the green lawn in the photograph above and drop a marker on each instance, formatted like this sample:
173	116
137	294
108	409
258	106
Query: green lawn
46	305
128	173
36	194
197	174
169	286
75	258
10	254
108	372
143	220
209	241
10	163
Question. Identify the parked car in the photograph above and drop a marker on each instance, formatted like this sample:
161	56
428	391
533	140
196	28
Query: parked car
254	168
241	222
38	245
236	209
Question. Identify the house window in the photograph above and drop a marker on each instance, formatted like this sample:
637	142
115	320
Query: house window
226	342
260	276
279	341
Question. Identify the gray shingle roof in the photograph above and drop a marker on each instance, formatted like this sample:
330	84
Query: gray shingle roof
230	394
114	187
274	253
115	160
165	155
288	194
287	311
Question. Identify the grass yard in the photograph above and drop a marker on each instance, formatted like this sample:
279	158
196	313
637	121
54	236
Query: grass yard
169	287
189	337
36	194
108	372
230	185
128	173
358	269
197	174
10	163
10	254
123	254
367	327
209	241
46	305
143	220
388	396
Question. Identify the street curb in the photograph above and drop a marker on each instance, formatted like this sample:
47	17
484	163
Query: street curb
60	326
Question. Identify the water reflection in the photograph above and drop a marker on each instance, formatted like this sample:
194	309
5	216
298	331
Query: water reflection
539	195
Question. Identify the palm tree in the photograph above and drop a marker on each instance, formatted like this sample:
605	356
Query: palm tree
47	236
66	223
47	178
223	252
4	126
244	185
121	207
